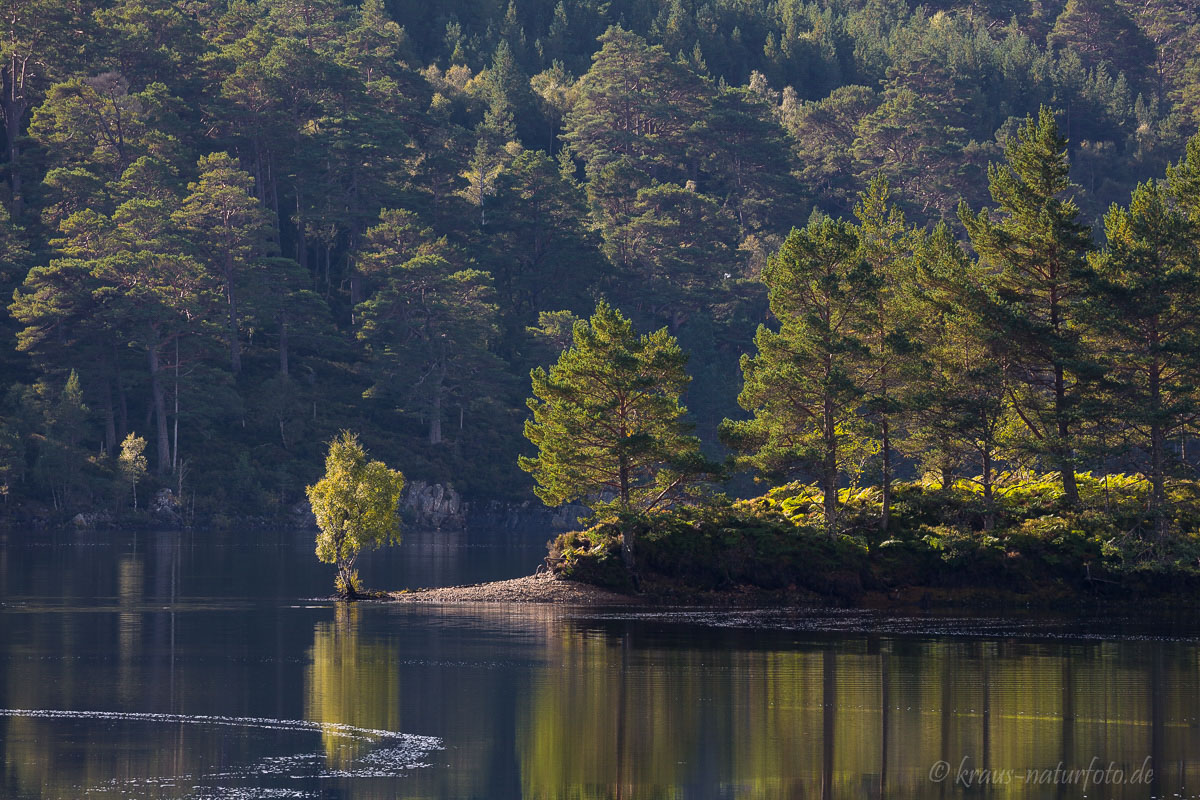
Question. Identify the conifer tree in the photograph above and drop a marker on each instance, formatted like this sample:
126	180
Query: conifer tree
805	384
608	424
891	331
1144	319
961	410
429	326
1037	247
228	228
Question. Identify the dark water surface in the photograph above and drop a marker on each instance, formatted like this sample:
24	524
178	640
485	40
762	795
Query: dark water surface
200	665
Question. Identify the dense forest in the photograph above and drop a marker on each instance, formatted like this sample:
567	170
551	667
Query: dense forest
235	228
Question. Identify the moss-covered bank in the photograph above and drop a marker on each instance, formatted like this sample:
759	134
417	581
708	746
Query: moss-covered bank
943	545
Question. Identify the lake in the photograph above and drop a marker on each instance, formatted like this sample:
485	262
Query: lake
210	665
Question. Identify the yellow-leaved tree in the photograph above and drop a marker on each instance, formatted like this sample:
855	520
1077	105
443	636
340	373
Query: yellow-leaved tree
355	505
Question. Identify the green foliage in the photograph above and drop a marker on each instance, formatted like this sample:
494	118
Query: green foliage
591	556
1040	546
193	222
804	385
607	420
1036	246
355	504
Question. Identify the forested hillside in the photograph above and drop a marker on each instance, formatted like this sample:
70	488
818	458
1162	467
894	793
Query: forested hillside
235	228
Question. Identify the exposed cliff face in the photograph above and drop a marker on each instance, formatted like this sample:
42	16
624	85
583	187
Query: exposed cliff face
435	505
432	505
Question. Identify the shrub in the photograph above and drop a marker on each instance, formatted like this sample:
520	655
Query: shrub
936	538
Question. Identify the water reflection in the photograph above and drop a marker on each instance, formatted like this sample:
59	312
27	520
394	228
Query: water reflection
858	717
164	652
351	680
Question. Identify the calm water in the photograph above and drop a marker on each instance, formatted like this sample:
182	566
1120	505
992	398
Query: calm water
206	666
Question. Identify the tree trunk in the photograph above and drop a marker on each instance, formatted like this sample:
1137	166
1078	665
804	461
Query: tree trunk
1062	448
989	518
235	346
1158	492
122	403
175	416
1063	456
14	112
160	404
301	244
283	344
435	413
627	532
346	579
274	197
627	536
885	518
110	418
829	472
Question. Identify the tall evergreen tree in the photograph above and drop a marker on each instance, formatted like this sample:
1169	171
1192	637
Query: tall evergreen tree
804	386
228	228
608	424
962	416
428	328
634	102
39	46
892	330
1144	319
1037	247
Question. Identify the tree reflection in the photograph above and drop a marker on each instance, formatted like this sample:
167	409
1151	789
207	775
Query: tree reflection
614	716
350	680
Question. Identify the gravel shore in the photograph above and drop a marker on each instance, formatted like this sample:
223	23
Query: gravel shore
541	588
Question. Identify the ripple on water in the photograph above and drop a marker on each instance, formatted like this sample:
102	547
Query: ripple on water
394	755
862	621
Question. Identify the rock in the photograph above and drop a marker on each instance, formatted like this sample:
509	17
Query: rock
566	518
164	500
434	505
90	520
165	508
303	515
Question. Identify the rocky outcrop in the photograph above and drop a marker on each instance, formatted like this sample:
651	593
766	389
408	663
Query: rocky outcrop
165	509
436	505
433	505
91	520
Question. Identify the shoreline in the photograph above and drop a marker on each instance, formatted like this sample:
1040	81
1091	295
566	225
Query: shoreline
547	589
539	588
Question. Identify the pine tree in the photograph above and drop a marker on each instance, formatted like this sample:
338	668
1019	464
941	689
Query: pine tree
741	142
678	248
1144	320
543	255
40	45
429	326
1037	248
804	386
608	424
892	330
634	102
962	416
228	228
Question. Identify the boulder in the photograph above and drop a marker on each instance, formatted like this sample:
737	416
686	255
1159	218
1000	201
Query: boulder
434	505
